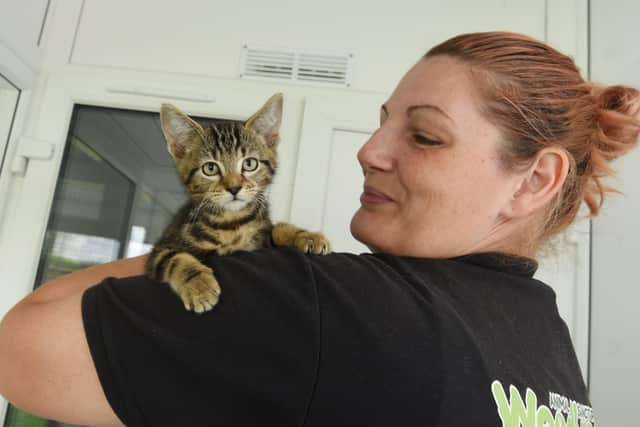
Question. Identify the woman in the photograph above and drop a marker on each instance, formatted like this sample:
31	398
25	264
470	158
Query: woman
486	148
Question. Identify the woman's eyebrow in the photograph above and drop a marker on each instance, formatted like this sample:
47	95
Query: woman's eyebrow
430	107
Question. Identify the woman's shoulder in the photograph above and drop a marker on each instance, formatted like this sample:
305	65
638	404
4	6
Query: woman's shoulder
474	268
289	261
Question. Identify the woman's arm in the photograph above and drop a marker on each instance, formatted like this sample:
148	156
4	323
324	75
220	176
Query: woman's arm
45	364
77	282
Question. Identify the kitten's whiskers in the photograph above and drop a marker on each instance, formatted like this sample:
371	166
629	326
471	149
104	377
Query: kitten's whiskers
194	214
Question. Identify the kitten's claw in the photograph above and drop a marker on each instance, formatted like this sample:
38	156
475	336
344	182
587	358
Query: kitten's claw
200	293
312	243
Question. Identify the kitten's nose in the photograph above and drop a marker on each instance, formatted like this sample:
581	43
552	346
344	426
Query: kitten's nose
233	189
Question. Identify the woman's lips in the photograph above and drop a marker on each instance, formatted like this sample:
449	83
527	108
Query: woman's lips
373	197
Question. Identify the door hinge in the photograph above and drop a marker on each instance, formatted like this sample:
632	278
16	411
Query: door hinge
30	149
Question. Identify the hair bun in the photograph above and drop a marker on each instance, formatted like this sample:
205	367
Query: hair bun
618	120
617	129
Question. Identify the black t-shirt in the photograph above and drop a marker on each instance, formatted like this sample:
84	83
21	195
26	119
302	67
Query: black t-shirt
339	340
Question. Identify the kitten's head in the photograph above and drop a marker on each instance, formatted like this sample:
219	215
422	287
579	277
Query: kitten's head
228	165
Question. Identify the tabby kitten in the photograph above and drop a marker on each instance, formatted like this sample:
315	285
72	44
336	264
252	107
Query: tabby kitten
227	169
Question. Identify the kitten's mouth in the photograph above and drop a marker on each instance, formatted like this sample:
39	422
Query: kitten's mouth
235	204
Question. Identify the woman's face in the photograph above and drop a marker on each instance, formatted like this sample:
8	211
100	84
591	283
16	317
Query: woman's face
433	184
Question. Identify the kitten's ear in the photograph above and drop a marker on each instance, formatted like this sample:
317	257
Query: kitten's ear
267	120
179	130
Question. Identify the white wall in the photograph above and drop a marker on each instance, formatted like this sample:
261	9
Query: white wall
205	37
615	331
21	29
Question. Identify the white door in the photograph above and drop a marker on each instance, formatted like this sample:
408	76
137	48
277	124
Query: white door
328	178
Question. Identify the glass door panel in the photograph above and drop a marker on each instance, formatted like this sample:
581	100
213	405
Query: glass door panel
117	189
89	217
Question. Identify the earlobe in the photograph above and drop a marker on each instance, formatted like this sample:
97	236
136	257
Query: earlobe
178	129
541	183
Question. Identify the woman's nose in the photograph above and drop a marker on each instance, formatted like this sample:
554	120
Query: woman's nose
376	153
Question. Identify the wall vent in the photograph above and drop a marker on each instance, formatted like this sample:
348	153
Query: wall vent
312	68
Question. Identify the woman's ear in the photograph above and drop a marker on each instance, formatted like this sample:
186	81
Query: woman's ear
542	181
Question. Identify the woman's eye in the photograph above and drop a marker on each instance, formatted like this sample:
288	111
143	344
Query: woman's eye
425	140
250	164
210	169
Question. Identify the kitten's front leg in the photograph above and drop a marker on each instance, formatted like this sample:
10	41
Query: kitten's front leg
193	281
284	234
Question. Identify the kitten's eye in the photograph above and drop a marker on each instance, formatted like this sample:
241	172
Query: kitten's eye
425	140
210	169
250	164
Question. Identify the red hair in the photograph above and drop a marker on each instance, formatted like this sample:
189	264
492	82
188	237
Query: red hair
536	96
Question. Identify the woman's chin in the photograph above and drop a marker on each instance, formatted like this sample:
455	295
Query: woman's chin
364	231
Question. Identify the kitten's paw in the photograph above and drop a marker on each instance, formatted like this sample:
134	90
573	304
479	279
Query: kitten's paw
200	293
312	243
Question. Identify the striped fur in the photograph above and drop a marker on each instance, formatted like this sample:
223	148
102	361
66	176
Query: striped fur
227	169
